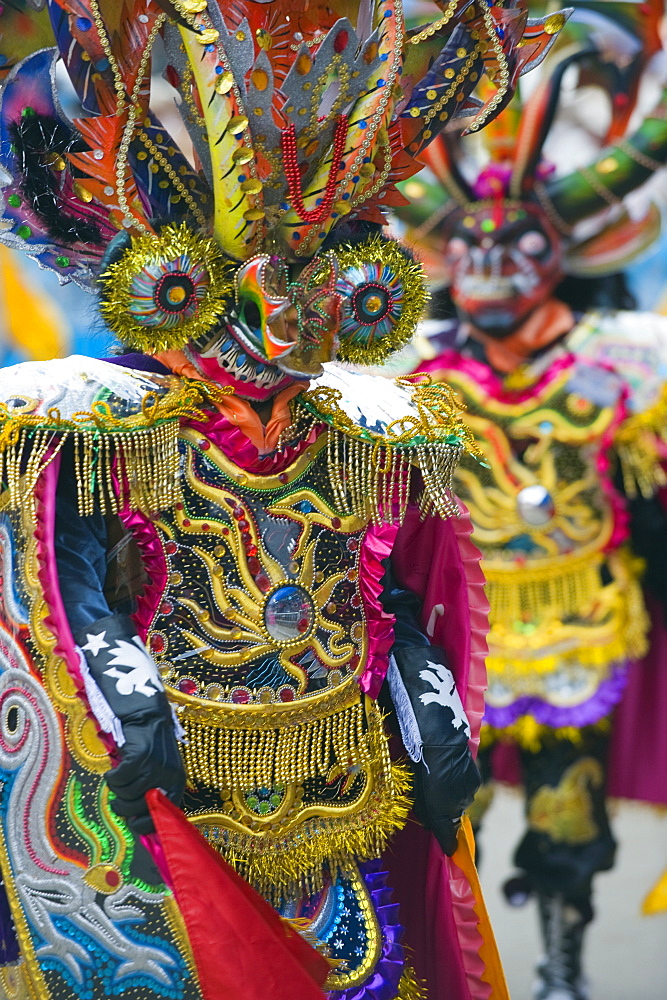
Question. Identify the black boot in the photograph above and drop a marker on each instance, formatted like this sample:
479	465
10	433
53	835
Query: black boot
559	972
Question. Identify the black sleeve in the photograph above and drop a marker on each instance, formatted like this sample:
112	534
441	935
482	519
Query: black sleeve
431	719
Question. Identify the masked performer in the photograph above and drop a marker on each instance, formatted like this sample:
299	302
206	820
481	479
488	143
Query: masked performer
567	407
194	498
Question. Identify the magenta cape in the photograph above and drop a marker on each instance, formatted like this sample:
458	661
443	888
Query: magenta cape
438	562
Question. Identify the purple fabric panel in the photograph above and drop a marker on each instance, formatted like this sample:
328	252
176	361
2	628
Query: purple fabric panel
9	946
140	362
383	984
638	753
586	713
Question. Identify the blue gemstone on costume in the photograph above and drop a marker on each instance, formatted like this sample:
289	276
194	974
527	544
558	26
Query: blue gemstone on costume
83	23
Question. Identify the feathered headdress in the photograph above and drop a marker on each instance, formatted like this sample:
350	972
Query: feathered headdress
300	115
516	172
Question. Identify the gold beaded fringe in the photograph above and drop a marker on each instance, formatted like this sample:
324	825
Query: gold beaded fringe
277	860
145	460
138	451
256	758
370	479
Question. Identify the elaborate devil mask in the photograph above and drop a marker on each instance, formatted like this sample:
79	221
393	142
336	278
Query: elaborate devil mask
504	259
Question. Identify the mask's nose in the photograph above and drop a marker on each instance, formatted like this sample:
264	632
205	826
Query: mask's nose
314	319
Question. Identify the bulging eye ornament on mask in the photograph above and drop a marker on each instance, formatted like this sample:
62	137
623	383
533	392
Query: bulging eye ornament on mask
504	261
260	324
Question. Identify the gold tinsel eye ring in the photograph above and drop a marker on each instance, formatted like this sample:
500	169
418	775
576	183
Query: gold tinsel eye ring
383	292
166	290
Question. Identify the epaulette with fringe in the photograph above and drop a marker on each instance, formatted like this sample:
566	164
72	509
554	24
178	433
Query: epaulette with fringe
123	426
379	429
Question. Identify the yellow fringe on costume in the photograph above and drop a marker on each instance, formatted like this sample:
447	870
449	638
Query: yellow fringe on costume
638	446
656	900
562	588
409	987
531	735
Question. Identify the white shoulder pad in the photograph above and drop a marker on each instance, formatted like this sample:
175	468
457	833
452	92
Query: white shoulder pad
72	385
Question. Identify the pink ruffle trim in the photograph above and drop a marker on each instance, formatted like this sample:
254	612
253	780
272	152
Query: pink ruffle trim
152	553
47	574
478	610
377	545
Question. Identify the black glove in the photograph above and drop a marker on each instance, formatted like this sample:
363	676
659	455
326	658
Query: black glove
132	689
435	733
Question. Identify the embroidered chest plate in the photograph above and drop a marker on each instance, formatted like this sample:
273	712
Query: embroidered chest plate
543	494
564	601
262	603
260	636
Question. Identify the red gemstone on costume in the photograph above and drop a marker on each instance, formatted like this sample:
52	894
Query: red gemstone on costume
240	697
355	600
112	879
251	550
352	544
186	522
335	522
243	524
187	686
166	608
158	645
263	583
170	548
204	444
178	506
341	41
286	694
206	527
238	513
283	477
254	565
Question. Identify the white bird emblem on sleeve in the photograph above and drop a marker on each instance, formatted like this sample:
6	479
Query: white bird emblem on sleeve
142	673
444	693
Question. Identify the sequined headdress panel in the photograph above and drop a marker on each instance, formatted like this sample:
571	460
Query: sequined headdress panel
299	115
